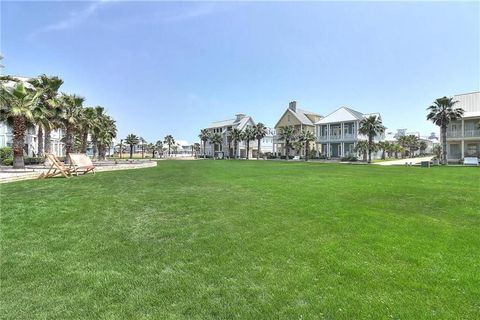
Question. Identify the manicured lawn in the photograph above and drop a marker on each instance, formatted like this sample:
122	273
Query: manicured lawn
243	240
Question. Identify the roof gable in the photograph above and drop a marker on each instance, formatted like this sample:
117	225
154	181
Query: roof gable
340	115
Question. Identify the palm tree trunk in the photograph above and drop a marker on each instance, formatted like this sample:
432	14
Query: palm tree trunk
235	146
84	142
40	141
95	147
370	149
286	150
443	130
131	151
248	147
204	149
258	149
19	127
306	150
48	143
68	142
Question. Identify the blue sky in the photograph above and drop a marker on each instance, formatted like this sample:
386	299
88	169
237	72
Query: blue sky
173	67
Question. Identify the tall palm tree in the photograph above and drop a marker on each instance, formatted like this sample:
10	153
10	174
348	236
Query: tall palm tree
248	135
442	112
104	135
70	117
204	137
131	140
371	127
216	139
413	144
260	133
47	121
86	123
236	136
287	134
159	146
305	137
16	109
168	140
143	142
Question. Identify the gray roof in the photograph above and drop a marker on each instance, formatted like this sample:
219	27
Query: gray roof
232	122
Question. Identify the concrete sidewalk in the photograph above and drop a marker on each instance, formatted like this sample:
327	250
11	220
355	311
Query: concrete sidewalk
403	161
8	174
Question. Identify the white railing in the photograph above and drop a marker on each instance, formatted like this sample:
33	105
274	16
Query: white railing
472	133
454	134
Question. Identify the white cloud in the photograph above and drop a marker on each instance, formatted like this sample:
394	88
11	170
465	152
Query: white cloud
73	19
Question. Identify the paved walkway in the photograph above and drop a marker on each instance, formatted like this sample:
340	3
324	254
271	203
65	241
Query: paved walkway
8	174
403	161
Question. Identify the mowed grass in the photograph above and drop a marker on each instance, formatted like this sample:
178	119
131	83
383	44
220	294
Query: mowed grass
243	240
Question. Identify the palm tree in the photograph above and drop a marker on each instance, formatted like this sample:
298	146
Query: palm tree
260	133
385	147
204	137
175	149
152	148
216	139
70	117
248	135
16	109
159	146
169	141
104	136
143	142
131	140
48	101
87	121
287	133
362	147
371	127
442	112
97	118
423	146
236	136
305	137
413	144
196	148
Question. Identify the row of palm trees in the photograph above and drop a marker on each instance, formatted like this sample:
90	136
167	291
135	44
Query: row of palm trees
168	144
38	103
235	136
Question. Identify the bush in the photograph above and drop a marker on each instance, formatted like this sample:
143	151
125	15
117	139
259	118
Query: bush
7	162
34	160
349	158
6	156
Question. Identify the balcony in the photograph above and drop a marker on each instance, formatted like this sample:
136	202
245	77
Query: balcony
346	137
459	134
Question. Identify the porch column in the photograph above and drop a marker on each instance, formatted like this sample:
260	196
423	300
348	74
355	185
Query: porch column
343	148
462	142
328	133
463	129
328	150
342	125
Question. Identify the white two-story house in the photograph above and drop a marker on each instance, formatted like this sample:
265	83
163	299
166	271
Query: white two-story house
241	122
337	133
463	135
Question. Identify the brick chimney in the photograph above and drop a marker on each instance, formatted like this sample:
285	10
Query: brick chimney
293	106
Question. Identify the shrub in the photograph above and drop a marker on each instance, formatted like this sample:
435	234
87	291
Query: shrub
6	153
349	158
34	160
7	161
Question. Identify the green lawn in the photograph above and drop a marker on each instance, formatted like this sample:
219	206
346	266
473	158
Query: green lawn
243	240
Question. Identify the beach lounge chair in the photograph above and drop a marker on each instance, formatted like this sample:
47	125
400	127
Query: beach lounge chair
470	161
80	163
56	167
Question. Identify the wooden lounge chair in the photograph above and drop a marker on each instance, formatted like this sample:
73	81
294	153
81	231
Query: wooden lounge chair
56	167
81	163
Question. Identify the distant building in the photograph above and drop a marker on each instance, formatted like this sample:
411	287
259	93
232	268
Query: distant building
298	118
463	135
338	134
241	122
